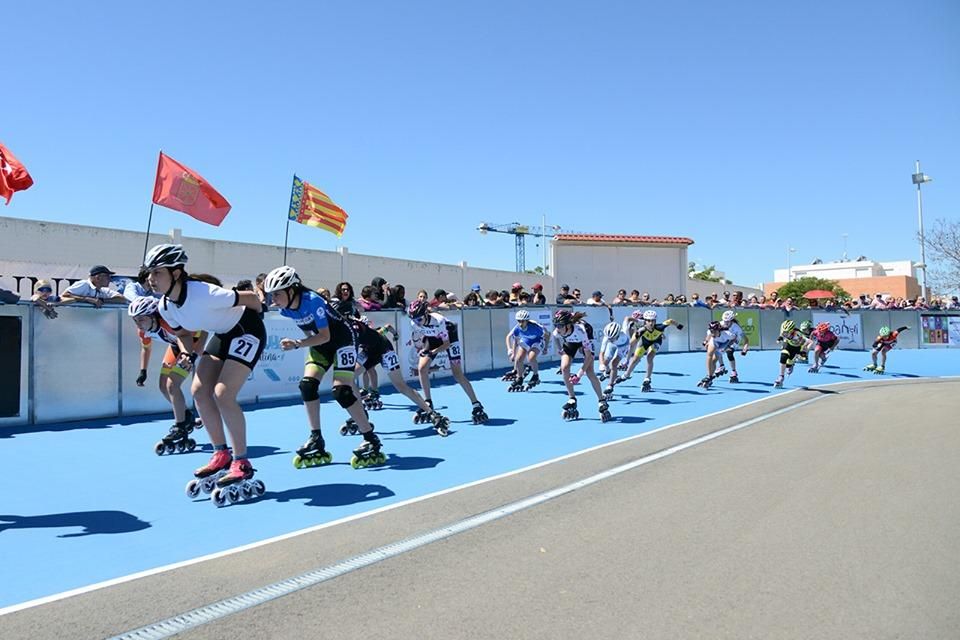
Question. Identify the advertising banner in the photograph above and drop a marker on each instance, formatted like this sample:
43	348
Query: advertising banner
847	328
935	330
953	331
411	342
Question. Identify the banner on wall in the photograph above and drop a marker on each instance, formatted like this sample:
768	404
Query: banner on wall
749	320
953	331
278	372
935	331
847	328
411	342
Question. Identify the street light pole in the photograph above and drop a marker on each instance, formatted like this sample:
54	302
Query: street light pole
790	250
918	179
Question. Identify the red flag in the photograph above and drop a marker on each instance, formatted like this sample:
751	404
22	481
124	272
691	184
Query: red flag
180	187
13	175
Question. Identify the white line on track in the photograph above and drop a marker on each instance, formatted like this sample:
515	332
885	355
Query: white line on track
235	604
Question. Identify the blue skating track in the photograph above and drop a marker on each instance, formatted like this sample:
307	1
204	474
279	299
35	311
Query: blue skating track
89	502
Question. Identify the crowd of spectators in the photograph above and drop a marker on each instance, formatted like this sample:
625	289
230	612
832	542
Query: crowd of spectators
380	294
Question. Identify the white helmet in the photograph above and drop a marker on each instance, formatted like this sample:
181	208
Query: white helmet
522	315
165	255
143	306
612	330
650	314
727	317
280	278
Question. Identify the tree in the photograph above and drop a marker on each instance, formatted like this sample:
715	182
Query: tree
943	247
800	286
704	274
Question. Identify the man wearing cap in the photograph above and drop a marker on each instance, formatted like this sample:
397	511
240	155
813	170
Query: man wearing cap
515	290
94	290
538	298
564	296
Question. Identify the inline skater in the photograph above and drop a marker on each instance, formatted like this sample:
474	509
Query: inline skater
649	339
886	340
793	343
189	305
729	322
825	341
373	348
525	341
572	334
613	348
715	342
330	343
806	329
150	326
439	334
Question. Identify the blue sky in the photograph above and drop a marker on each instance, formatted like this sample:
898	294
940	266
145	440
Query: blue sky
749	126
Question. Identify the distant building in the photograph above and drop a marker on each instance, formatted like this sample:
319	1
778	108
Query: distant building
861	276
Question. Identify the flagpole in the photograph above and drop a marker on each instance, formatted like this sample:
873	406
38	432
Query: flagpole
285	237
146	241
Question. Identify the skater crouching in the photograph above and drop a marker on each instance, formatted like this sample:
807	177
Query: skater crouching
573	334
525	342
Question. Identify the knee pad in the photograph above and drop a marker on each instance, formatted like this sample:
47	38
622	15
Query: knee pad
785	358
309	389
730	357
343	394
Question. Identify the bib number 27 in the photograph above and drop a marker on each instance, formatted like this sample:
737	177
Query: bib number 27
244	347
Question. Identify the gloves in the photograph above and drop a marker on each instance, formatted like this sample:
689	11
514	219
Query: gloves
426	353
142	377
679	326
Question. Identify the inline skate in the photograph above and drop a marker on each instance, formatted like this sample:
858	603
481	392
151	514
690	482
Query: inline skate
441	424
516	385
509	376
349	427
479	415
570	411
608	393
371	400
421	416
368	454
814	369
622	379
734	377
237	484
721	371
878	371
193	419
313	452
706	382
177	440
778	383
870	367
534	381
646	385
604	410
205	478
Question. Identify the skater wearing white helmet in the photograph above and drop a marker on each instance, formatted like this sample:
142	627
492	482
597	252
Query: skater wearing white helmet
650	336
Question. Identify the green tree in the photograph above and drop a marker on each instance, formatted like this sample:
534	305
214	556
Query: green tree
707	273
800	286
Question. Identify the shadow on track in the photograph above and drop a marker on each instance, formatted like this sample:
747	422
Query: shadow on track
331	495
93	522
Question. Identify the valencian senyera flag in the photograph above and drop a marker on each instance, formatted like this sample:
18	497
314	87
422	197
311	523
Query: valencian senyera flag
314	208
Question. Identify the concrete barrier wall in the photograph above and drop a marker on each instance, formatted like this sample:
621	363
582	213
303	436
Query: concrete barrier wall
83	365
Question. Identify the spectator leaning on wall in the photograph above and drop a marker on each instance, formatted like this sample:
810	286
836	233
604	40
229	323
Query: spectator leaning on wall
45	299
94	290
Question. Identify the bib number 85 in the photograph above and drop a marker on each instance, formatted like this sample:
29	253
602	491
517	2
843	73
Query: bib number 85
346	357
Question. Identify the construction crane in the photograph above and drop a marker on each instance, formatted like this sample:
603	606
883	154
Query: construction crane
520	231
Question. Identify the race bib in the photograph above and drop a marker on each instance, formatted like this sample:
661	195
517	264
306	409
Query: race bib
346	357
390	360
244	347
454	350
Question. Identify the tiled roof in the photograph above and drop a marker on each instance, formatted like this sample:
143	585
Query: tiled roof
599	237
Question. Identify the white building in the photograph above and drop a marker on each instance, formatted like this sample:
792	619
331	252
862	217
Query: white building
848	270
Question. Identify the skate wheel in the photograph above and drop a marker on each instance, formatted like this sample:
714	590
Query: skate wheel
234	494
181	447
344	430
298	462
191	444
258	487
357	463
193	488
159	449
219	497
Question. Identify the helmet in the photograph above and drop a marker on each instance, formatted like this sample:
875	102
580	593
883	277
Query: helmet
649	314
787	326
727	316
522	315
418	309
713	326
280	278
612	330
884	332
637	315
806	326
143	306
823	327
366	320
165	255
562	318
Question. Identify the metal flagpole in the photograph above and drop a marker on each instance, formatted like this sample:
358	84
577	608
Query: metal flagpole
286	236
146	241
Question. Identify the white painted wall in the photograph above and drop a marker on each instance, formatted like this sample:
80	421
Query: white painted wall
845	270
609	267
55	250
